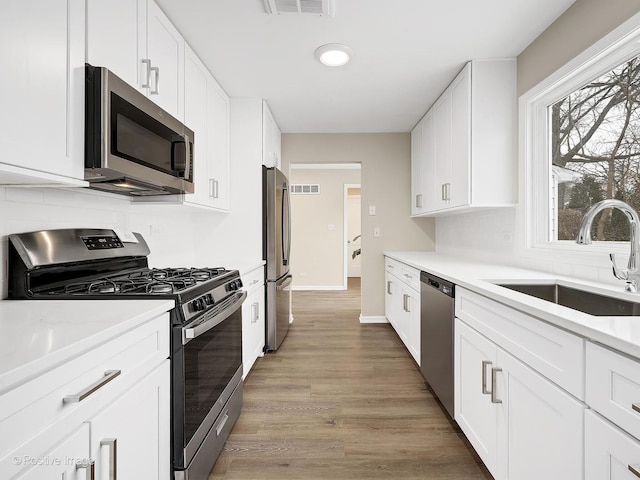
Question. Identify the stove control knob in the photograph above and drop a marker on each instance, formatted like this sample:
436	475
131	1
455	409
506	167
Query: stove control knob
198	305
208	299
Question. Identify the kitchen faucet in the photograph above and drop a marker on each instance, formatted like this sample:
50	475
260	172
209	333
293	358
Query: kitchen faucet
632	273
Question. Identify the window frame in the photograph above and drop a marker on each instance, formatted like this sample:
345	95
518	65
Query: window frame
535	150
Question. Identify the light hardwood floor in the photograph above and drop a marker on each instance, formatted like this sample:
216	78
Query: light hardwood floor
341	400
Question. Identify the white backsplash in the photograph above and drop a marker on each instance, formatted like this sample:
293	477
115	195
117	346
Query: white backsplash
169	230
492	236
487	235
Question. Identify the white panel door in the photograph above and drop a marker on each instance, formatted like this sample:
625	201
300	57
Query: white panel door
541	427
461	138
42	85
442	148
610	453
475	357
195	117
139	422
417	160
165	49
218	145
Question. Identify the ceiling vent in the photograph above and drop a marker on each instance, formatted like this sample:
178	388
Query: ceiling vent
314	7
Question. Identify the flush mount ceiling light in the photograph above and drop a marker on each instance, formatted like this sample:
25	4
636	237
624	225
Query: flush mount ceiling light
333	54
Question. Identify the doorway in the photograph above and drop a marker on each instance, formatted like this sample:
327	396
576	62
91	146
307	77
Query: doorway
353	232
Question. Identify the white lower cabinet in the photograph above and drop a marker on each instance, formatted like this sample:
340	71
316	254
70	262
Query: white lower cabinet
130	437
610	453
108	407
522	425
253	319
402	304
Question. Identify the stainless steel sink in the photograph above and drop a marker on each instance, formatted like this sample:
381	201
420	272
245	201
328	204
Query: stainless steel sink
577	299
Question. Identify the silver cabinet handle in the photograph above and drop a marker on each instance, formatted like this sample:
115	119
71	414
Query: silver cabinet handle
419	200
147	62
405	302
389	287
254	312
213	188
112	443
88	465
78	397
635	469
485	364
443	191
494	375
156	90
408	276
216	189
636	407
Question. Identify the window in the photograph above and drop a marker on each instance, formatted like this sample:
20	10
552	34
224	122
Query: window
594	141
580	143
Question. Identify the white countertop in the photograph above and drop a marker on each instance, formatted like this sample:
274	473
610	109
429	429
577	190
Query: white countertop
620	333
38	335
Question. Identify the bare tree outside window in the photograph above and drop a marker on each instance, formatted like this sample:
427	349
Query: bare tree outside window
595	152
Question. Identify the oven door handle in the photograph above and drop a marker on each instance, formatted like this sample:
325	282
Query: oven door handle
189	333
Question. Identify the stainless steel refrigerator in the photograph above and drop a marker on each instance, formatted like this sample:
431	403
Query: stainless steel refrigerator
276	249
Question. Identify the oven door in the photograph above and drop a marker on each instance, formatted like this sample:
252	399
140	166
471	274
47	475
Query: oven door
206	366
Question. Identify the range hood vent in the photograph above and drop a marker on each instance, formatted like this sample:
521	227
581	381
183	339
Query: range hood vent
314	7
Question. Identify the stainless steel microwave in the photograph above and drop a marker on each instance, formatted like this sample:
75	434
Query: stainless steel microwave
132	146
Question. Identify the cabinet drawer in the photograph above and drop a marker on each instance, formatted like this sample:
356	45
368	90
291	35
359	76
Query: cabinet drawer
393	266
609	452
253	279
144	345
555	353
410	276
613	387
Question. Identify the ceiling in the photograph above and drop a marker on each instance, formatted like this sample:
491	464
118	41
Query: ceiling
405	54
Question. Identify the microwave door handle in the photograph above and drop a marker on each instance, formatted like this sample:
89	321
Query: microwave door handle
187	160
189	333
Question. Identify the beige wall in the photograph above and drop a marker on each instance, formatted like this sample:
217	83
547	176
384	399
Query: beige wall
385	180
317	253
583	24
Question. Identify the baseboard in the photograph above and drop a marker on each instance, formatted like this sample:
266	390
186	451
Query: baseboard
322	287
373	319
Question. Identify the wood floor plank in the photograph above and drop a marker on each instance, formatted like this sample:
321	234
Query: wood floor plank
342	400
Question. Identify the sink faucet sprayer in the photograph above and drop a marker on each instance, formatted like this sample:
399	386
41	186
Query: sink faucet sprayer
632	273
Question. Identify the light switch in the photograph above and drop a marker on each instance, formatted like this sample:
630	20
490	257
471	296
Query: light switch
331	227
376	232
372	210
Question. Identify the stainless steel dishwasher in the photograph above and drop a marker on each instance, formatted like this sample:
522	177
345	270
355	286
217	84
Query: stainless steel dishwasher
436	336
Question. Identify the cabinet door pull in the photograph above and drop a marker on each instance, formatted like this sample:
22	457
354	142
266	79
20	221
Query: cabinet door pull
156	90
88	465
636	407
405	300
494	375
635	469
112	443
389	287
147	63
419	200
108	376
254	312
485	364
216	189
443	191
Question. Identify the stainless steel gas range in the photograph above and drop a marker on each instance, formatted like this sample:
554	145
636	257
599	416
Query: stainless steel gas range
206	324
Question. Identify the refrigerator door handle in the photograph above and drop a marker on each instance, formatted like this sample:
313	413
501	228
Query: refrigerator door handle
284	283
286	226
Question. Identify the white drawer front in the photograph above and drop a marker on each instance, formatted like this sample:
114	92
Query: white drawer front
609	452
410	276
393	266
613	387
555	353
146	344
253	280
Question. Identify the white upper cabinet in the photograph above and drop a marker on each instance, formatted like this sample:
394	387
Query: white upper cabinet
136	41
218	145
469	155
271	138
42	92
